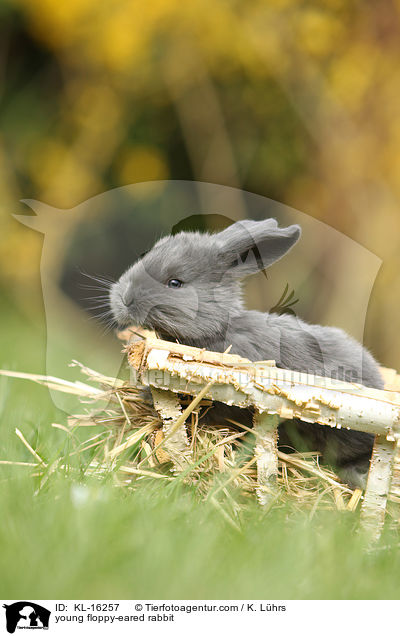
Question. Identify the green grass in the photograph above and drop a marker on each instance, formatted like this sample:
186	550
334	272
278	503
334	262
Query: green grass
80	537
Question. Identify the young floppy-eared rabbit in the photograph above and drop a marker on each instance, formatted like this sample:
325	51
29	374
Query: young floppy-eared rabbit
187	288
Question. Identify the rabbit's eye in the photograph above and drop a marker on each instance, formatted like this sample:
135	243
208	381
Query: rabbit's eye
175	283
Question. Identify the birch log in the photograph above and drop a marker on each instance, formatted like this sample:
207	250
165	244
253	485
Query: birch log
266	429
176	442
288	394
378	484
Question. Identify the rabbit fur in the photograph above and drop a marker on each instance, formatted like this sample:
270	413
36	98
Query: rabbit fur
188	288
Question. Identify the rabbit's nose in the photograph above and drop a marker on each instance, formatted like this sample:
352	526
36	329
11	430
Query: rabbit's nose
127	297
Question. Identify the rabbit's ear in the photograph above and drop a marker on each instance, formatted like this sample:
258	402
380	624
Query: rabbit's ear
249	246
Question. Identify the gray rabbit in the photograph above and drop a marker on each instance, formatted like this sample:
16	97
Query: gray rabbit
188	288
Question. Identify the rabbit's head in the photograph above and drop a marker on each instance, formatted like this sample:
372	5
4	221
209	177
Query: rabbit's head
188	285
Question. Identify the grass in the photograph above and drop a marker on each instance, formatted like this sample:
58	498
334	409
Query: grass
75	535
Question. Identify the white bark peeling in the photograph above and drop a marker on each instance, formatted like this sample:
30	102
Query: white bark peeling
266	454
282	392
176	444
378	484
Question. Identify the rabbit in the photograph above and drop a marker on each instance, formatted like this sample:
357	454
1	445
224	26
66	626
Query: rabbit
187	288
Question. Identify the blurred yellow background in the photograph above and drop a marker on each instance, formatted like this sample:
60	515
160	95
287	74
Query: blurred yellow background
296	101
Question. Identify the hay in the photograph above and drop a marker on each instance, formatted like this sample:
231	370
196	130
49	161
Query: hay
130	448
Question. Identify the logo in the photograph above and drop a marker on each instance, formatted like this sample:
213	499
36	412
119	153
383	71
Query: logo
26	615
